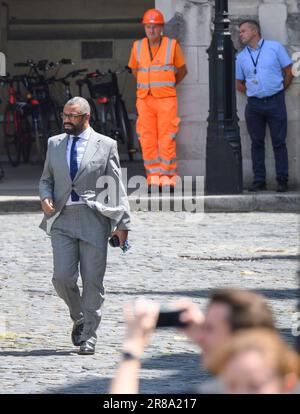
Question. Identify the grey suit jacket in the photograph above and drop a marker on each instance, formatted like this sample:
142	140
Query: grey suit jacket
100	163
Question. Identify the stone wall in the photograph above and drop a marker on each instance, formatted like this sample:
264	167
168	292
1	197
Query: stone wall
31	29
191	21
22	40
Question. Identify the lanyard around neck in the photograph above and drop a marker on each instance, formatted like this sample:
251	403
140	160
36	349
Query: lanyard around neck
150	51
255	62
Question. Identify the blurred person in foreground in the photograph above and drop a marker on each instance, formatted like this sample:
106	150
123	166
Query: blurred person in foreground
228	311
256	361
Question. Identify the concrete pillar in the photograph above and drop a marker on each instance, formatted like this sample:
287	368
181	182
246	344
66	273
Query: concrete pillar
194	35
243	8
3	27
3	52
272	17
293	6
167	7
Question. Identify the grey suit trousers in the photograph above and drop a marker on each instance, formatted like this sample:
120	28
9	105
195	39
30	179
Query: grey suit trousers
79	240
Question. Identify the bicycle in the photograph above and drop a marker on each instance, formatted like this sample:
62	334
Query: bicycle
109	116
67	95
45	120
16	128
2	174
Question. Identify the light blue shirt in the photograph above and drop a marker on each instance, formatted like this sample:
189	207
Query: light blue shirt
269	77
80	147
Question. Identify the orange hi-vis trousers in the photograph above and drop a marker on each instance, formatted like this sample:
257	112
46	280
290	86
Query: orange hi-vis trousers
157	126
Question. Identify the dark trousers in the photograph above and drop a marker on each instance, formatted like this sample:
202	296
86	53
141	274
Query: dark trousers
259	113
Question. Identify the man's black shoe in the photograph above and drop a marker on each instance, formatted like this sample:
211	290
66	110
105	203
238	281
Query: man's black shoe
88	347
76	332
282	187
257	186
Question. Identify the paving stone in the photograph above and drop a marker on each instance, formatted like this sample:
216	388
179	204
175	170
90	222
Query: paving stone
171	257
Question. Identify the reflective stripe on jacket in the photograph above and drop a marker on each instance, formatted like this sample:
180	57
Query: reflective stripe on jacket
156	76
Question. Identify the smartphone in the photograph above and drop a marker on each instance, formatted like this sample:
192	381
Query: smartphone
114	241
170	319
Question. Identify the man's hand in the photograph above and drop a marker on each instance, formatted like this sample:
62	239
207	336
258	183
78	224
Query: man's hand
134	72
48	206
181	73
241	86
122	235
193	317
288	76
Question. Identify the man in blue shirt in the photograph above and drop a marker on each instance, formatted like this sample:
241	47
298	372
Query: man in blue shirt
263	72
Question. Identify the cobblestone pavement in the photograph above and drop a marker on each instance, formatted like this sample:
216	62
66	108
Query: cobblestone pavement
172	256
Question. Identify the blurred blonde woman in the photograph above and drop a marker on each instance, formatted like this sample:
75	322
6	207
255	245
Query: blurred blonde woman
257	361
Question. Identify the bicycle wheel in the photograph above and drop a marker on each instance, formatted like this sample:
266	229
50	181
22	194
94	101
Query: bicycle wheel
104	125
1	172
94	120
110	123
49	124
125	128
11	129
38	130
26	139
54	121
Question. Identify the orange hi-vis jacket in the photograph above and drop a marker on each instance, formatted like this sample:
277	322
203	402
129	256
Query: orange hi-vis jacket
156	76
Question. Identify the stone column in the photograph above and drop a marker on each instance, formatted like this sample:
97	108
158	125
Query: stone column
190	22
3	52
3	27
168	7
277	19
272	16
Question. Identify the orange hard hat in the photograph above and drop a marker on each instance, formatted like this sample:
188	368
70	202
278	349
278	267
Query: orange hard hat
153	16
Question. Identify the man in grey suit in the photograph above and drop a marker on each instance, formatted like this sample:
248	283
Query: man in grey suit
79	219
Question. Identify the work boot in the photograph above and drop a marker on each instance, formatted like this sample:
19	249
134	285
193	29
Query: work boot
282	187
257	186
153	184
153	189
167	189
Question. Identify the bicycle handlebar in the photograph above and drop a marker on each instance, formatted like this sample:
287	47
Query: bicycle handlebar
75	73
98	73
15	78
44	64
66	62
72	74
21	65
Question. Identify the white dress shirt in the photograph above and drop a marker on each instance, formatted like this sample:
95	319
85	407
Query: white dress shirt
81	147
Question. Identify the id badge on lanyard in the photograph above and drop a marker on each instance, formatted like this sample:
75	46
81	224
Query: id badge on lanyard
255	62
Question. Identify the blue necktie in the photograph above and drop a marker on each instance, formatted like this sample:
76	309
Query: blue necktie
74	166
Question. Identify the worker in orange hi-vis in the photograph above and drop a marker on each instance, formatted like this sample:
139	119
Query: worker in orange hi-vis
158	64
